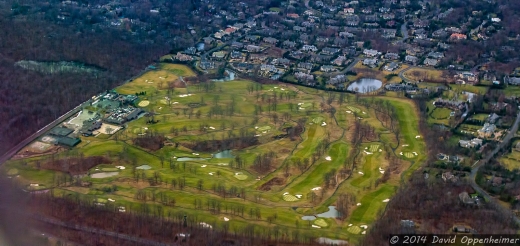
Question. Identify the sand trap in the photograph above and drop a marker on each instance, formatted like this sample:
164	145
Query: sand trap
315	226
120	167
418	136
143	103
205	225
359	118
316	188
258	135
203	166
366	147
286	193
210	174
300	108
34	185
328	158
223	164
299	196
364	232
358	204
212	128
300	104
256	127
122	209
323	124
361	173
349	224
195	153
401	153
111	200
368	153
282	89
175	157
405	145
175	102
349	112
415	153
386	200
382	172
226	219
380	150
185	95
276	87
364	112
364	226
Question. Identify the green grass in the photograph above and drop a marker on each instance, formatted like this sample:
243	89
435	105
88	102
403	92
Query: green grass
12	172
511	161
480	117
321	223
371	203
354	229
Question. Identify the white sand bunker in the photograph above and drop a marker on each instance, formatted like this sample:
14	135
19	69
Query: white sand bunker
380	150
406	145
120	167
298	196
205	225
223	164
258	135
212	128
368	153
226	219
328	158
401	153
323	124
186	95
361	173
348	112
359	118
415	153
111	200
364	232
316	188
300	108
364	112
364	226
210	174
349	224
175	102
195	153
386	200
143	103
315	226
203	166
418	136
358	204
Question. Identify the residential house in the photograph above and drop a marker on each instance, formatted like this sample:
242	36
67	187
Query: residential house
303	76
282	61
297	54
512	80
436	55
237	45
270	40
182	57
457	36
305	65
341	78
430	62
293	15
205	65
268	68
348	10
330	51
389	33
299	29
309	48
441	33
289	44
411	59
391	56
339	60
190	51
208	40
352	20
218	55
327	68
346	34
448	176
473	143
371	53
420	23
236	54
487	130
258	57
252	38
492	118
253	48
391	66
370	62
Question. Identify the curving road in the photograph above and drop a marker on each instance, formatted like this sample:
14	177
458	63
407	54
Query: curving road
500	146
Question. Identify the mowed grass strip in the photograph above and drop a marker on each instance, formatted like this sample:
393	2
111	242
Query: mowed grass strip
371	203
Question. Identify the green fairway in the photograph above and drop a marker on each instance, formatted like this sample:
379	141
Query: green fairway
371	204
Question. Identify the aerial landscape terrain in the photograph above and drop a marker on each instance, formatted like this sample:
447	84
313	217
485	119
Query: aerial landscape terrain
258	123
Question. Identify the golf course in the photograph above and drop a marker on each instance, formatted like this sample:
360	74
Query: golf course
232	153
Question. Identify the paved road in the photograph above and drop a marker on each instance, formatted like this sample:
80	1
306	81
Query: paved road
37	134
501	145
401	75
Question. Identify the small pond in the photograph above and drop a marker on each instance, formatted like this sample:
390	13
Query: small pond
365	85
144	167
223	154
332	213
230	76
103	175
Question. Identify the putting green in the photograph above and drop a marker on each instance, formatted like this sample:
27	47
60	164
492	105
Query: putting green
143	103
354	229
290	198
354	109
374	147
264	128
240	176
409	154
321	223
12	171
318	120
